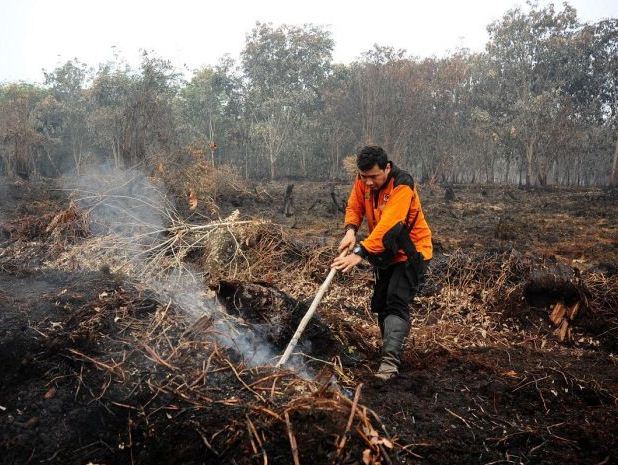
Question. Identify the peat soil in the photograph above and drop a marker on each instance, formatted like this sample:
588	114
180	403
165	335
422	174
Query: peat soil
516	404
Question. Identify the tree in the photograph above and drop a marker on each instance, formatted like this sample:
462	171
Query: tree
132	113
285	68
110	94
527	51
210	106
599	84
20	136
67	84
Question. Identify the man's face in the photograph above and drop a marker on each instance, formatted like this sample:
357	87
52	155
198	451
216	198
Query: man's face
375	177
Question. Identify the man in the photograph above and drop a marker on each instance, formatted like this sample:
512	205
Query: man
399	246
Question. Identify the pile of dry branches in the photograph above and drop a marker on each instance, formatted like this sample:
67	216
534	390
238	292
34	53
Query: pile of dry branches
475	300
199	187
62	227
141	357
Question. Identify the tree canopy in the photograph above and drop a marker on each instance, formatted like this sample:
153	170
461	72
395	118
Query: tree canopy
538	106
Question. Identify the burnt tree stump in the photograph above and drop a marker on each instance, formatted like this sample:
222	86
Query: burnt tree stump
558	287
288	201
340	205
449	194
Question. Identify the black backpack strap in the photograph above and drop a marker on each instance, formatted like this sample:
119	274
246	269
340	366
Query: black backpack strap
405	242
413	222
411	225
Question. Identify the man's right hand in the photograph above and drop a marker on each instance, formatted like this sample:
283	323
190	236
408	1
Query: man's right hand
348	241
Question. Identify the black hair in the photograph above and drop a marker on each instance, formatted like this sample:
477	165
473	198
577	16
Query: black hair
369	156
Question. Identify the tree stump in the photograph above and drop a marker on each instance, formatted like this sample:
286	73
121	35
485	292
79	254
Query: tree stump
288	201
340	205
449	194
558	287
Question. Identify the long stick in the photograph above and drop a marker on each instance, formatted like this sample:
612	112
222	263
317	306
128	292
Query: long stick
308	315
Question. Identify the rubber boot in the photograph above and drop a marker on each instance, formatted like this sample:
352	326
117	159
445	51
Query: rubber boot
395	333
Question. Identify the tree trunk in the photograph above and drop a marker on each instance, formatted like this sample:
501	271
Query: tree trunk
492	171
568	176
542	178
521	169
614	175
116	152
246	163
272	166
77	156
556	170
288	201
303	160
336	170
529	159
51	161
508	168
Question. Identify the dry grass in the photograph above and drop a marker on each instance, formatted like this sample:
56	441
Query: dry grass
349	166
199	187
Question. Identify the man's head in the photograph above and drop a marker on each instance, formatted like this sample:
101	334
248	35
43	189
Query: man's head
373	166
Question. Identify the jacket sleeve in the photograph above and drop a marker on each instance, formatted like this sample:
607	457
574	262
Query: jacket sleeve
355	210
395	211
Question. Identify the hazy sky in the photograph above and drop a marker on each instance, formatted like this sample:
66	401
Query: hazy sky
37	34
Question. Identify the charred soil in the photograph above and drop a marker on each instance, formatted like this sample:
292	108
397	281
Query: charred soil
101	367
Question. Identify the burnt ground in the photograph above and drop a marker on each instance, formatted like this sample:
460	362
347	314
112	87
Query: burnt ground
78	384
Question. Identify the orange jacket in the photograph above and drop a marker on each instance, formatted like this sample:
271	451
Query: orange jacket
397	201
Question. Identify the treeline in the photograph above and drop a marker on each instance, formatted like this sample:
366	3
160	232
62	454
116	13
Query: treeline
538	106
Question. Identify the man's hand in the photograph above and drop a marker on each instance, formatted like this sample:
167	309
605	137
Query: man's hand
348	241
346	263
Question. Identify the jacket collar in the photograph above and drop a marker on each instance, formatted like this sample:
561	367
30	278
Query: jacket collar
392	174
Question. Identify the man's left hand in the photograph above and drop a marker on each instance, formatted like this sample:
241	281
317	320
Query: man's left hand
346	263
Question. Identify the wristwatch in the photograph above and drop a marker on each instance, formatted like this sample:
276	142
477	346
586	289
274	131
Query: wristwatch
359	250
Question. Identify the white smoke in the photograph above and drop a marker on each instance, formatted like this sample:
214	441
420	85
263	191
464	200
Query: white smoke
127	205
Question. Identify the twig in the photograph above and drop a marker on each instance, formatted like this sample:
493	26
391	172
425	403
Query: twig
346	433
253	433
113	369
293	444
268	412
156	358
206	443
243	382
462	419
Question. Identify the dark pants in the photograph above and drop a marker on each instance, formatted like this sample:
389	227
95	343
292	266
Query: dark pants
395	288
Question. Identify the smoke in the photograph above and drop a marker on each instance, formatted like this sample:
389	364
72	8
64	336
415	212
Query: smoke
123	202
138	214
